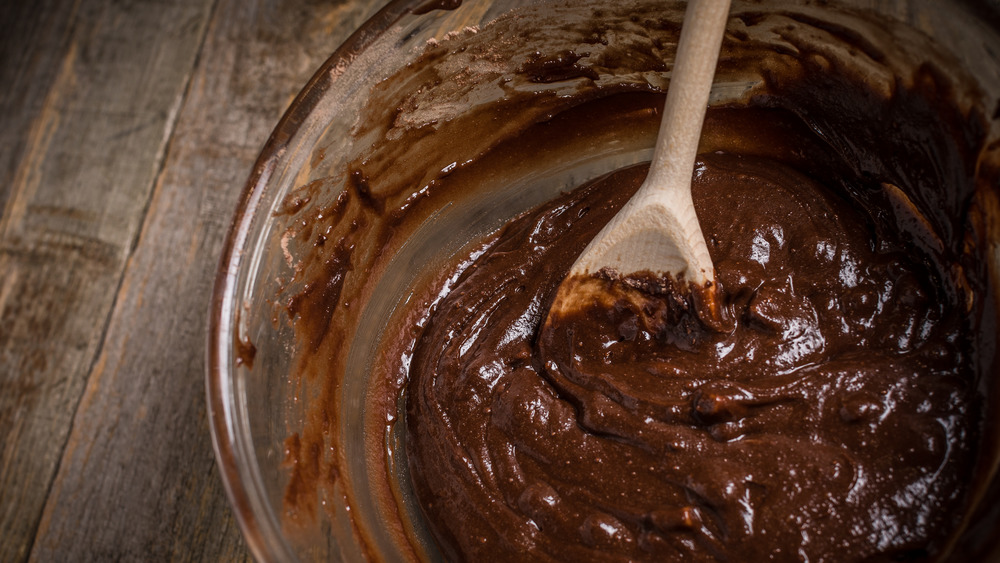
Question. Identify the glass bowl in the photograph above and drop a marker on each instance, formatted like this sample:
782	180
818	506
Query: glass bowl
259	396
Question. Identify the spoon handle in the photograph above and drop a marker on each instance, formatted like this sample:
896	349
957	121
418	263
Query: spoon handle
657	230
687	98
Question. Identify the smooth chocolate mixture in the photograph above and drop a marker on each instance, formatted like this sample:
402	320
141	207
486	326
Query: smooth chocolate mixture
834	416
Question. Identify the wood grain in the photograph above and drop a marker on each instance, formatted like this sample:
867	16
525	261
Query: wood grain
95	89
140	438
33	38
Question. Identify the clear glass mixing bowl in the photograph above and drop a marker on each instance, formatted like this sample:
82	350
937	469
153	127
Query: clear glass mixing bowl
254	405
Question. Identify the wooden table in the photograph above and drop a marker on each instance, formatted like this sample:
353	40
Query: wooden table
127	131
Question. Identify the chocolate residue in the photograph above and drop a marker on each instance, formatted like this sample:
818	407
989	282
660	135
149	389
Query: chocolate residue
359	182
245	352
562	66
431	5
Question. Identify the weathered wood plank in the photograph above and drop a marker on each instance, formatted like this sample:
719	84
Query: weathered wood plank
33	38
94	88
140	437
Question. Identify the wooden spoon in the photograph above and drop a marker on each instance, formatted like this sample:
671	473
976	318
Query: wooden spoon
657	231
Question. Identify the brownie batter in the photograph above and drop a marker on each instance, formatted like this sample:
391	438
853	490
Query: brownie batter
835	413
832	418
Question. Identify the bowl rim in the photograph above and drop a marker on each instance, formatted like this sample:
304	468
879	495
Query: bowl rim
233	449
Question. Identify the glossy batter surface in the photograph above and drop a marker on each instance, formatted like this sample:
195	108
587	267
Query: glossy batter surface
832	418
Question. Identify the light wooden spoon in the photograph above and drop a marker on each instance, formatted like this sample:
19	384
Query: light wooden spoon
657	231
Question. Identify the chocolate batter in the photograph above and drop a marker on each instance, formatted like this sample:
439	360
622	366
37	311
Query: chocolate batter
832	418
836	413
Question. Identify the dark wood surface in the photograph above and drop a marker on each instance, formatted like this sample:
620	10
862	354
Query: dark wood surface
127	130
